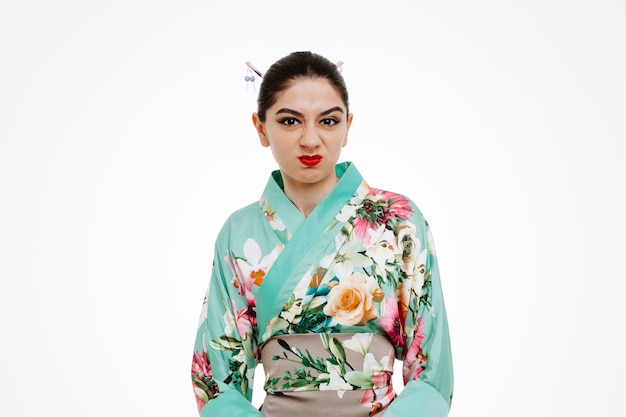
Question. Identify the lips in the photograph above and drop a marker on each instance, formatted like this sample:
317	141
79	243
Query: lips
310	160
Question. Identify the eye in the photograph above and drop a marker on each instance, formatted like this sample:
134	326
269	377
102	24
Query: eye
329	122
289	121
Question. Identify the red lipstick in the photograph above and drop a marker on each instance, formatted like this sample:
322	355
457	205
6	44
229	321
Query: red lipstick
310	160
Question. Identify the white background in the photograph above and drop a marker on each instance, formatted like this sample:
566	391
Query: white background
125	141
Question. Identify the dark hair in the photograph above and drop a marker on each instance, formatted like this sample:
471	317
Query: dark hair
297	65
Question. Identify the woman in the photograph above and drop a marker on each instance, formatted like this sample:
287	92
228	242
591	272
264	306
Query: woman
325	280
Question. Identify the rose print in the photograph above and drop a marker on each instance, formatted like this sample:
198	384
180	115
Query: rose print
409	248
351	301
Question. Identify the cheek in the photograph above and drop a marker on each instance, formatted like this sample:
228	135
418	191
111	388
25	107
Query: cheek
337	141
277	147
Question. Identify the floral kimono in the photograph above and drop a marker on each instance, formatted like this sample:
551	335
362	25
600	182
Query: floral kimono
326	303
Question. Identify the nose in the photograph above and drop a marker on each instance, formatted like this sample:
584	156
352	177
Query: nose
310	138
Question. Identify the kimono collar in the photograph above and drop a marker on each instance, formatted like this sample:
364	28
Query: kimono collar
349	180
305	238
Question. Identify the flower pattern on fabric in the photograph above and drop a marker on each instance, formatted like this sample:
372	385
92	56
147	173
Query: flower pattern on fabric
347	287
348	258
239	324
273	218
415	359
334	373
373	277
271	215
377	273
380	208
351	301
252	268
391	322
241	346
204	386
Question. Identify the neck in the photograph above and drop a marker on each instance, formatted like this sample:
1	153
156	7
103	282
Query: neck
307	196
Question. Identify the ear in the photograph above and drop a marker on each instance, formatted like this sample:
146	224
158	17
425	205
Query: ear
260	130
349	122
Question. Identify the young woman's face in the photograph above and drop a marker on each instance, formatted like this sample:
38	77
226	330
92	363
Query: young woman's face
306	129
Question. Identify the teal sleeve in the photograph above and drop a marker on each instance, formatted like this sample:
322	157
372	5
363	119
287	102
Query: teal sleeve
225	352
418	399
427	356
231	404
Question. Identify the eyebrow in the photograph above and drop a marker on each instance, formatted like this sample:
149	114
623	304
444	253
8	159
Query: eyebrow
298	114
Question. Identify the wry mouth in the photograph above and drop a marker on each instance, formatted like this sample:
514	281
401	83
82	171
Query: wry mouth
310	160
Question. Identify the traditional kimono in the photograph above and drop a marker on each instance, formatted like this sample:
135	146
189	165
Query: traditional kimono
326	303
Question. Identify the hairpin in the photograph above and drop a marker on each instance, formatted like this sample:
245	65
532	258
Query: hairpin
249	78
257	72
253	68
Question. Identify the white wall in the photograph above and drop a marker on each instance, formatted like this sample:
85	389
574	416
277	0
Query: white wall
125	141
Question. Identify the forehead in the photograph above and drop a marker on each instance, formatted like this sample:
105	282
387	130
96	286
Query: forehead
313	93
